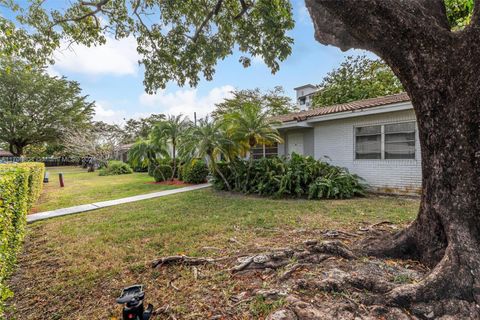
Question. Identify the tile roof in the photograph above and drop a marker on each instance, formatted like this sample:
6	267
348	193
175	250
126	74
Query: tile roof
349	106
4	153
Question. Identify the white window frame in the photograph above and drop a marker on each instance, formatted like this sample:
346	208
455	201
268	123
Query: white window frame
382	140
264	154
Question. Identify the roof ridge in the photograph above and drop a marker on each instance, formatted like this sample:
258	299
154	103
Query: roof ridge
342	107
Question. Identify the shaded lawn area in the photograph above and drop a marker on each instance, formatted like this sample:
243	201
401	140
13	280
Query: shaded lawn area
82	187
74	267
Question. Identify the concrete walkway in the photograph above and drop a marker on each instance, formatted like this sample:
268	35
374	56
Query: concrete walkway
99	205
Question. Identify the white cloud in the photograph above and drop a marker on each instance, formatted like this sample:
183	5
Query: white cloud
186	101
52	72
115	57
105	113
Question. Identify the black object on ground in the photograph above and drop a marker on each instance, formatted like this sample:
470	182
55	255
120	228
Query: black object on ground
132	299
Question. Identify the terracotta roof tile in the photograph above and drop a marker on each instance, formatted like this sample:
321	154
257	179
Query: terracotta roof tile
349	106
4	153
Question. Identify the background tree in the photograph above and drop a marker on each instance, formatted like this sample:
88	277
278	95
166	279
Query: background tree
36	108
273	102
99	143
171	132
357	78
437	66
140	129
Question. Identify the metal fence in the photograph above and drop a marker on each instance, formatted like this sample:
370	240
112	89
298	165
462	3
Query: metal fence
49	161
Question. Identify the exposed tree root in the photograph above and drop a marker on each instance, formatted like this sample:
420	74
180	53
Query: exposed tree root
313	252
397	245
185	260
369	288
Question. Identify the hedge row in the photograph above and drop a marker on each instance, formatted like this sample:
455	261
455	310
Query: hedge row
20	187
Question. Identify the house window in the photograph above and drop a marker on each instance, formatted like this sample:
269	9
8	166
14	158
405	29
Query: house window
368	142
400	141
264	151
390	141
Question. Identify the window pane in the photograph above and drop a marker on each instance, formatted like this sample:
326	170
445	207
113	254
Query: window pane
400	150
368	147
400	141
368	130
400	127
399	137
257	151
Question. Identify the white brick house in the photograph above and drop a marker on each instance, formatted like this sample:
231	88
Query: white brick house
374	138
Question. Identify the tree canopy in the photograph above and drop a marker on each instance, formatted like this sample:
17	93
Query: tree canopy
177	40
273	102
136	129
36	108
357	78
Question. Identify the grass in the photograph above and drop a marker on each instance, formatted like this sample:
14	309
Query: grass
73	267
82	187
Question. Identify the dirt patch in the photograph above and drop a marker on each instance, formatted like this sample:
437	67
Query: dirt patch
174	182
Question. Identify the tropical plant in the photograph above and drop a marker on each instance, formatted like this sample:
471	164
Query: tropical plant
195	171
208	140
163	171
114	168
297	176
171	131
145	152
250	126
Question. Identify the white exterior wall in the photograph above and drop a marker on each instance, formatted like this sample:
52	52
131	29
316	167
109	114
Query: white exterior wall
334	142
307	140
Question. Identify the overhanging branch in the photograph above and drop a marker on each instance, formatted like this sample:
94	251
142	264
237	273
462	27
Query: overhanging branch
209	16
98	8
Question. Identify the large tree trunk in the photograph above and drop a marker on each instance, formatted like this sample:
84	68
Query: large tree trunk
440	71
446	233
16	149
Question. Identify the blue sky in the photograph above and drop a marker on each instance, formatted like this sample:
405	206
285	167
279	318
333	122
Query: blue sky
111	76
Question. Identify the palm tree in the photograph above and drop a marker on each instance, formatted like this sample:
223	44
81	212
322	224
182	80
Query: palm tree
172	131
251	126
146	151
209	140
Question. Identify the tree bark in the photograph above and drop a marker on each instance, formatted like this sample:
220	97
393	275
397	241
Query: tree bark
16	148
174	169
215	167
440	71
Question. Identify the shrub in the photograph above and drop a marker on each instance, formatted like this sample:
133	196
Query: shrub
162	172
194	172
114	168
151	168
297	176
20	187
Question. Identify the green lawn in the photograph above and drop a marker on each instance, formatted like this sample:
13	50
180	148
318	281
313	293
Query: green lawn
95	254
82	187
